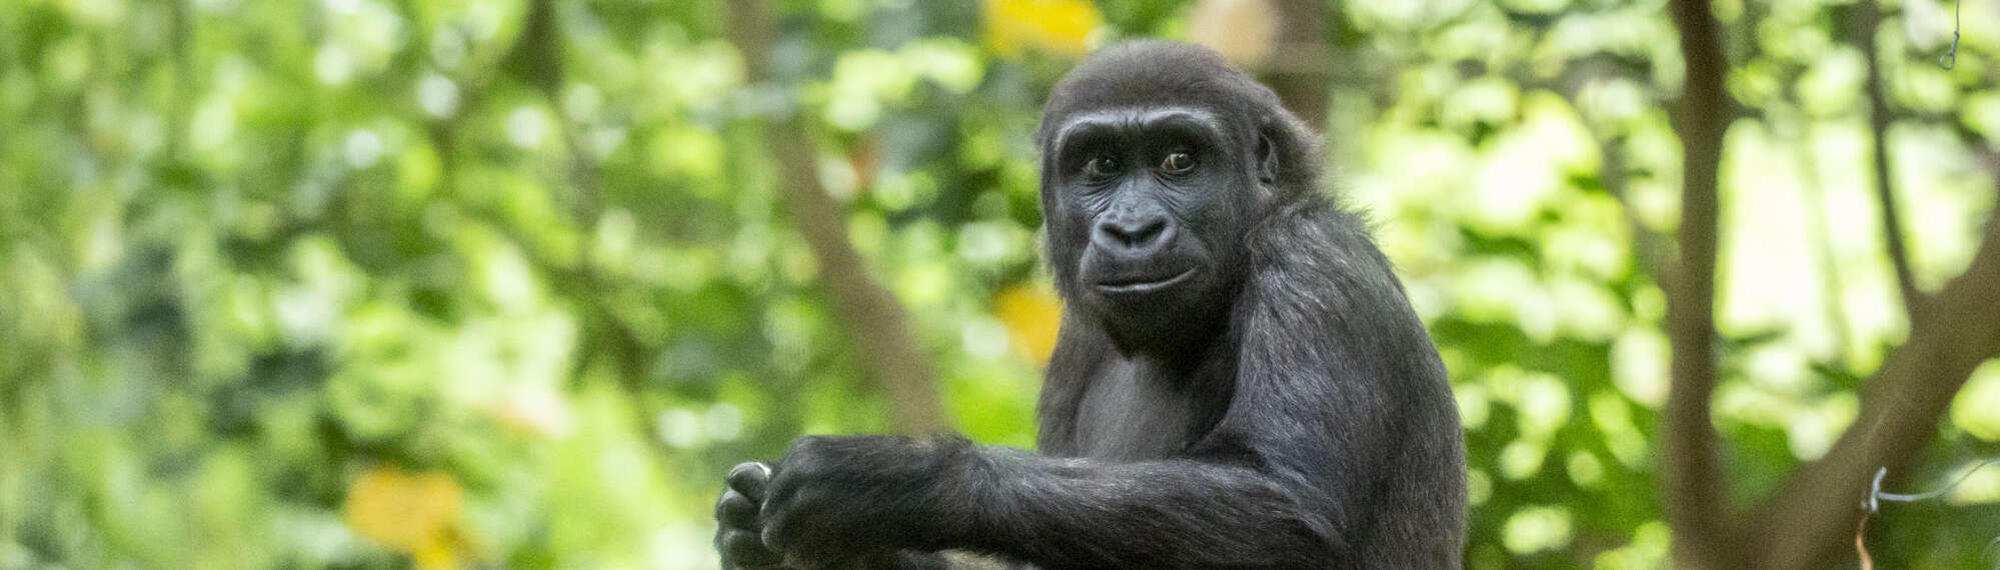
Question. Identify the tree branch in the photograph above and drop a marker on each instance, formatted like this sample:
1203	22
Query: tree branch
535	59
1829	269
1302	30
1811	514
1878	126
876	321
1649	248
1691	471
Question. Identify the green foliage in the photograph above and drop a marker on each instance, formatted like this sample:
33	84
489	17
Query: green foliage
356	283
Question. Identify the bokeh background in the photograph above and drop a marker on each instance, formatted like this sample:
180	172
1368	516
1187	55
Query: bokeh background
511	283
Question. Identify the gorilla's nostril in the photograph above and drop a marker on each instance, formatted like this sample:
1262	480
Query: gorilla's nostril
1149	232
1134	233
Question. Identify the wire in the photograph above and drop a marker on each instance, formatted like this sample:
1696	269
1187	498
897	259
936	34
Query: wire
1950	58
1875	489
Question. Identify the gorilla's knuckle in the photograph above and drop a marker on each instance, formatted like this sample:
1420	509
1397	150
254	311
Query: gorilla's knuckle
736	510
746	548
748	472
751	479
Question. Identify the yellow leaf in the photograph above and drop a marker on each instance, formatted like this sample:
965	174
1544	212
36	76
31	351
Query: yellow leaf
437	554
1033	316
1059	26
412	513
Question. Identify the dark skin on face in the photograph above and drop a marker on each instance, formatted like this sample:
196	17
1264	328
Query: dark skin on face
1158	198
1239	381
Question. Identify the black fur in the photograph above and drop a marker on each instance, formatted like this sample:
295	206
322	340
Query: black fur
1239	381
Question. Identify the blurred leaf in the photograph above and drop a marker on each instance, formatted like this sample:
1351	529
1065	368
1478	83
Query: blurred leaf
1014	27
412	513
1033	316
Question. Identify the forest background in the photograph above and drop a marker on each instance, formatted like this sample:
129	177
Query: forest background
511	283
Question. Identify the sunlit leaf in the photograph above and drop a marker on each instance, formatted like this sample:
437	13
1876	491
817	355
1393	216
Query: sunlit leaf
1032	315
412	513
1058	26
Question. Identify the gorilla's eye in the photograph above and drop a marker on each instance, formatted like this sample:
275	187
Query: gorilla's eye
1178	162
1101	167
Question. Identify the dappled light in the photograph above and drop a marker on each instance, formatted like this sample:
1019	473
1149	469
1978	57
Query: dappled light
513	283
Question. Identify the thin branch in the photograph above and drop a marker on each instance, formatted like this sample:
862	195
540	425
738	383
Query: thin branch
1648	246
1878	126
1302	32
1798	130
877	324
535	59
1691	473
181	27
1901	404
1822	238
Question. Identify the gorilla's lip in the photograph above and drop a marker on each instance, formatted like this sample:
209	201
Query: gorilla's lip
1142	284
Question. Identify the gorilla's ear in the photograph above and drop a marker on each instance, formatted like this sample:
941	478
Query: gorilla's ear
1267	158
1287	154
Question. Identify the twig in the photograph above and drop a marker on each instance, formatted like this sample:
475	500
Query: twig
1885	195
876	321
1822	238
1302	31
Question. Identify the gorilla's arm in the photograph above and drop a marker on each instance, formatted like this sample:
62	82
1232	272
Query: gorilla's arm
1051	512
1180	513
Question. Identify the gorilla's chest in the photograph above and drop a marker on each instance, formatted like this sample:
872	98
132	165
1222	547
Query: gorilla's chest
1131	411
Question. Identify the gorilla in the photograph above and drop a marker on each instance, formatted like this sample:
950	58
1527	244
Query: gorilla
1239	381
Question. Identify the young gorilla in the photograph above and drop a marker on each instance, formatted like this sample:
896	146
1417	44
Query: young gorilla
1239	381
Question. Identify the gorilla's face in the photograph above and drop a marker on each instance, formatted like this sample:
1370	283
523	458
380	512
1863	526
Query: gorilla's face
1146	206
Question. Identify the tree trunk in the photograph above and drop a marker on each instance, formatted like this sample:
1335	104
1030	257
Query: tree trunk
875	320
1691	471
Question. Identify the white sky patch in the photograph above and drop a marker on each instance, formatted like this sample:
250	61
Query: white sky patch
333	65
363	148
1976	409
985	339
341	7
526	127
583	102
1639	365
214	124
1535	529
679	427
437	95
507	279
723	422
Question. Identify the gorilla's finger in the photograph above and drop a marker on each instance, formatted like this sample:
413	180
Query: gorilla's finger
774	535
736	510
742	548
751	479
781	490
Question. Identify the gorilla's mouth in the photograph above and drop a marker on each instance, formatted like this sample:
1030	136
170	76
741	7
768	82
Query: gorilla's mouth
1141	283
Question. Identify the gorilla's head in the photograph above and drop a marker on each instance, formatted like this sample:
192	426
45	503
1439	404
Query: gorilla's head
1157	156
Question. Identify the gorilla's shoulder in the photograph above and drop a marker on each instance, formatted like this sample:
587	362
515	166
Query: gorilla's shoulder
1314	234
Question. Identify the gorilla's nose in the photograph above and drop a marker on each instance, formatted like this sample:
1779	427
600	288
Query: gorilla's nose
1133	235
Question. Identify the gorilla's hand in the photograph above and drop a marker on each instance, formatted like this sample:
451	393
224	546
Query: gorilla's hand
838	498
738	533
